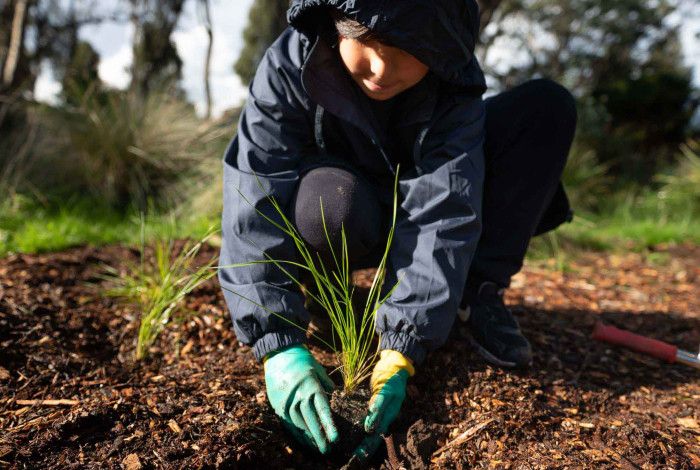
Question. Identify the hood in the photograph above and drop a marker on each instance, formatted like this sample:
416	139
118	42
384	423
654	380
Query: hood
440	33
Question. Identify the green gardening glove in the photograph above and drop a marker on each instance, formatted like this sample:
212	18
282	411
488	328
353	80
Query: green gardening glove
388	384
296	387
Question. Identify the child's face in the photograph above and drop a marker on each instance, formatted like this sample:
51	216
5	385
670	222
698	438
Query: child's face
381	71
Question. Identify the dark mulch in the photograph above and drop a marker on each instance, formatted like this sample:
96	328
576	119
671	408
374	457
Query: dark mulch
199	401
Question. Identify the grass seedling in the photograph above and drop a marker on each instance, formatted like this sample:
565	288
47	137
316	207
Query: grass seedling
332	289
158	286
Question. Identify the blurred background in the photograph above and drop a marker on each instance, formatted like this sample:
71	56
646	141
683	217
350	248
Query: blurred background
113	109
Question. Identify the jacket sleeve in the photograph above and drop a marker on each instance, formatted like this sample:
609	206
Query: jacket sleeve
437	230
273	134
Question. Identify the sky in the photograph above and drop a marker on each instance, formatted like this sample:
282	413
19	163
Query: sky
113	43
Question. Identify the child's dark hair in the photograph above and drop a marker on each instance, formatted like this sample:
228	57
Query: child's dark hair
351	29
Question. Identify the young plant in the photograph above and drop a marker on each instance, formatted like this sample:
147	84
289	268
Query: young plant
334	293
159	286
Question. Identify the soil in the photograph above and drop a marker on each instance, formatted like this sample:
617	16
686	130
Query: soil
199	400
348	415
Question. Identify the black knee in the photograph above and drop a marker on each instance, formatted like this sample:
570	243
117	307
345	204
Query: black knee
555	101
552	116
348	202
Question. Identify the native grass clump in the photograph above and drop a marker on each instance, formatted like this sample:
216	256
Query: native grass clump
158	284
681	189
332	290
129	150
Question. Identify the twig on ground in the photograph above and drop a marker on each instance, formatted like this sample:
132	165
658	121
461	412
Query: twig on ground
33	422
464	437
61	402
391	451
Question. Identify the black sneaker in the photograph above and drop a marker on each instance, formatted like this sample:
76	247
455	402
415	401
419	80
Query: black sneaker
494	332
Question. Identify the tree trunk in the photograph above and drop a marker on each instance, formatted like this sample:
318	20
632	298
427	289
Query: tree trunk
207	62
5	27
14	50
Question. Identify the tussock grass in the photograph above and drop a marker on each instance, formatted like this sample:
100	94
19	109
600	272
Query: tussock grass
586	179
681	188
353	332
159	284
129	150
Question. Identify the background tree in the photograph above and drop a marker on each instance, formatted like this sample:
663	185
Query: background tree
49	34
80	74
266	20
621	58
205	17
12	51
156	62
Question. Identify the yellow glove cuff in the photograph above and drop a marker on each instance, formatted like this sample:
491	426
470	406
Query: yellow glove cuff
390	362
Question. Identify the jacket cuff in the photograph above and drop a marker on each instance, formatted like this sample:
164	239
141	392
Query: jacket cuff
405	344
278	340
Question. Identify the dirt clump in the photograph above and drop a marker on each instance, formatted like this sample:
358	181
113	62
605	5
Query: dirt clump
349	411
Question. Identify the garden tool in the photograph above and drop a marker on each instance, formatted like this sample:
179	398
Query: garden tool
645	345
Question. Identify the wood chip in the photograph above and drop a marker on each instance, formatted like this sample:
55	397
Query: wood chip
131	462
4	374
186	348
174	426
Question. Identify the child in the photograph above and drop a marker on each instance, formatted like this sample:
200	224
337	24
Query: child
348	92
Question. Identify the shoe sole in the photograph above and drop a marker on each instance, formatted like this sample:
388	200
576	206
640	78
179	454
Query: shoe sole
464	315
488	357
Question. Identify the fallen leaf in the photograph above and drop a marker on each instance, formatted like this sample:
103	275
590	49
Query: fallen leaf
688	422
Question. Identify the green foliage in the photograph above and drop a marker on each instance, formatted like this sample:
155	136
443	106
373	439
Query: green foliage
582	42
631	217
620	57
30	226
649	113
159	284
681	189
266	20
585	179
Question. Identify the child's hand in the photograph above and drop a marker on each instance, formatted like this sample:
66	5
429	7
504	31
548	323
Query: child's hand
388	384
296	387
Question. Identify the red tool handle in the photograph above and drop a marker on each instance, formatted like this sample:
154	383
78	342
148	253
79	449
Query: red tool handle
642	344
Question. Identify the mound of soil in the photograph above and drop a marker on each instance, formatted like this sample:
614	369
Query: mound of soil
71	395
349	410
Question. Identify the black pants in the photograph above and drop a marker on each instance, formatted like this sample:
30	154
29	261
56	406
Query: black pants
529	131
